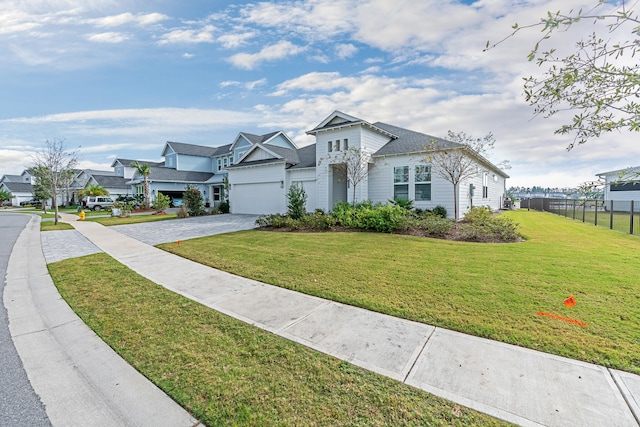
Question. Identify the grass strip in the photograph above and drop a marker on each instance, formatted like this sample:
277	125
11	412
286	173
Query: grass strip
133	219
488	290
226	372
51	225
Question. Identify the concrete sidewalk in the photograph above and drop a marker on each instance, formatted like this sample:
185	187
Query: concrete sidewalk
519	385
80	380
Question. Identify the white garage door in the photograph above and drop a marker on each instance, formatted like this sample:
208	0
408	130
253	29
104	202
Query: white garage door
257	198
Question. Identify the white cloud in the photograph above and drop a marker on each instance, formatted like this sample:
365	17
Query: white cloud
273	52
204	35
345	50
232	41
108	37
246	85
128	18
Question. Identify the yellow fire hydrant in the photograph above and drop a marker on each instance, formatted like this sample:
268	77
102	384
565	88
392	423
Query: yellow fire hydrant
81	215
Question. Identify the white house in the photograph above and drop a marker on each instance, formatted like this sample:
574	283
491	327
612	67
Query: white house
260	179
20	187
621	186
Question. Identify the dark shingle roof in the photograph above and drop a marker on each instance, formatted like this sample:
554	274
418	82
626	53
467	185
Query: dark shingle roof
168	174
307	156
257	139
408	141
18	187
11	178
223	150
192	149
108	181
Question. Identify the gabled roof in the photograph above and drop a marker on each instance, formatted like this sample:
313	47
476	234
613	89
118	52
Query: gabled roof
18	187
287	155
189	149
107	181
338	119
254	139
11	178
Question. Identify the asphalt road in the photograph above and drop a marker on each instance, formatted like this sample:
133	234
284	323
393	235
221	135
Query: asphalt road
19	404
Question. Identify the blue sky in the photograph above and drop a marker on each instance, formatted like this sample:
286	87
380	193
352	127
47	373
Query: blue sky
120	78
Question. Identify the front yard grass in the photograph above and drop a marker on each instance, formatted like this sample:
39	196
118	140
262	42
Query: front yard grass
489	290
226	372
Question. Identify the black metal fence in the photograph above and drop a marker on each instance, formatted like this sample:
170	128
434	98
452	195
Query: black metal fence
613	214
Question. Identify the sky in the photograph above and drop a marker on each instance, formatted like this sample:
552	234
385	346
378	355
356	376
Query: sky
117	79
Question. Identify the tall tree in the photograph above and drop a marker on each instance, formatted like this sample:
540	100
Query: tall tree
458	162
599	80
51	165
144	171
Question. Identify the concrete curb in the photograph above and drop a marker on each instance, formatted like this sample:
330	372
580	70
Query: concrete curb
79	378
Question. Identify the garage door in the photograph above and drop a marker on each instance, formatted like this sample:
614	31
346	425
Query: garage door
258	199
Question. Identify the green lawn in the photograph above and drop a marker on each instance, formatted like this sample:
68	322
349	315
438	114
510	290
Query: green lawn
226	372
489	290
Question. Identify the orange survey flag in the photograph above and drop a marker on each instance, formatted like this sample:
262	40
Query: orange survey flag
570	302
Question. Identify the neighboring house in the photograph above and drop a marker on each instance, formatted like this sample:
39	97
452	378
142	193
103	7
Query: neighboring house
259	180
81	180
20	186
20	191
115	185
622	186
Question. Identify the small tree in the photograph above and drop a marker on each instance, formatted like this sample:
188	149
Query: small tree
297	198
456	160
5	195
144	170
51	165
161	202
192	198
354	164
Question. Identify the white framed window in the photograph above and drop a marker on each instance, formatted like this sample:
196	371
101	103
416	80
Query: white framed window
401	182
216	194
422	182
330	146
225	162
345	144
337	145
219	164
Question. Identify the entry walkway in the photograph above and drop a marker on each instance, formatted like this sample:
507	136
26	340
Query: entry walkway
519	385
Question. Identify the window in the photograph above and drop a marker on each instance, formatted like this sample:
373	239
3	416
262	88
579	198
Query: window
337	145
216	194
485	185
225	162
401	182
330	146
240	154
230	160
345	144
422	181
219	164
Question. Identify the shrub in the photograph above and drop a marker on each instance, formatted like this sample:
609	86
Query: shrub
317	221
192	198
479	215
182	212
435	225
297	198
440	211
277	221
403	203
480	225
224	207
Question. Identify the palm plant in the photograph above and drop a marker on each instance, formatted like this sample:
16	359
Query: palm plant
144	171
93	190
